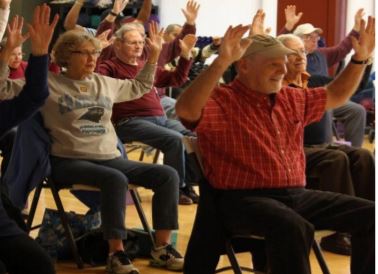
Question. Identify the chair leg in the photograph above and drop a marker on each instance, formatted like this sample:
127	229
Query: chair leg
156	156
142	216
320	258
33	207
67	228
231	256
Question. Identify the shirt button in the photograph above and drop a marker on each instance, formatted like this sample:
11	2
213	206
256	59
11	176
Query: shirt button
282	151
258	105
278	132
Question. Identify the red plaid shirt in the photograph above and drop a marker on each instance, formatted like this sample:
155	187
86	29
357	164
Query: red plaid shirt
249	142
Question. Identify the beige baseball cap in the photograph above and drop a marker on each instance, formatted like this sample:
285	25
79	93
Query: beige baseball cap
306	29
268	46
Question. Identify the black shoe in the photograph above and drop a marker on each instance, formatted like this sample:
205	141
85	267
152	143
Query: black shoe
184	199
190	192
338	243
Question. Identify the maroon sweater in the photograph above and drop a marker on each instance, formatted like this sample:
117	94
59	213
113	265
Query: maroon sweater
168	53
20	71
149	104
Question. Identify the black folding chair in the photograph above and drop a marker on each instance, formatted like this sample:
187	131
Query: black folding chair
219	241
49	183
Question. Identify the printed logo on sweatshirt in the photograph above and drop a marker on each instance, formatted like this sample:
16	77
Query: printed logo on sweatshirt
93	114
68	103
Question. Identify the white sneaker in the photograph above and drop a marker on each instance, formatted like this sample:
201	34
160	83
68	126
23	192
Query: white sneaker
119	263
168	257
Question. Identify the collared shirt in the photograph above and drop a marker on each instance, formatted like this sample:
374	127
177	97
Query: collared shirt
250	140
304	78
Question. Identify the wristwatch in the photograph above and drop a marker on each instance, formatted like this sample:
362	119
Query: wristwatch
363	62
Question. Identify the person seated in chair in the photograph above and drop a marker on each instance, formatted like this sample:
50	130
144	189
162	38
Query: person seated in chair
250	135
144	120
337	168
77	116
319	60
15	245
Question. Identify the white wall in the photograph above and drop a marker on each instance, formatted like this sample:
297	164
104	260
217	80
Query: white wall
216	15
352	7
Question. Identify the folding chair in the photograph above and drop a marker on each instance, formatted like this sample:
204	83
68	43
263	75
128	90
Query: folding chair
207	215
144	150
48	183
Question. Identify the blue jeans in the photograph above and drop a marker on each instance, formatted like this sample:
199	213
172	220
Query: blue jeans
112	177
353	117
161	133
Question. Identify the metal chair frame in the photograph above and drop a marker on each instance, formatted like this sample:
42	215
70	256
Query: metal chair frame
48	183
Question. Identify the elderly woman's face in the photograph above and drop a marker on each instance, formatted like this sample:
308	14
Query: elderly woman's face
82	61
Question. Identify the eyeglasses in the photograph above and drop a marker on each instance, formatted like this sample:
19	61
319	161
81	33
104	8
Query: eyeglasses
95	53
299	52
312	37
134	43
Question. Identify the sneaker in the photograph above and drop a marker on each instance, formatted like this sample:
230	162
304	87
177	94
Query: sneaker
119	263
184	199
168	257
338	243
190	192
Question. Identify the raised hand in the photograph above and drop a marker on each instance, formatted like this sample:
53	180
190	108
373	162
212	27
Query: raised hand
119	6
104	40
154	41
41	31
187	44
15	38
191	12
233	45
258	24
357	19
364	46
291	17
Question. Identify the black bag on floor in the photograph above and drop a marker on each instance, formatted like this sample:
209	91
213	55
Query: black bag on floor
94	250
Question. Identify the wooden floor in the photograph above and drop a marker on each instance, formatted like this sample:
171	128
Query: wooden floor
338	264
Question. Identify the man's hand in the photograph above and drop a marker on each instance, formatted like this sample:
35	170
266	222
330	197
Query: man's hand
104	40
291	17
187	44
41	31
233	45
357	19
364	46
191	12
155	42
258	24
119	6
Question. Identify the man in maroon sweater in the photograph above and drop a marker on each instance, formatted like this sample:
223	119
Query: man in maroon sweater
144	119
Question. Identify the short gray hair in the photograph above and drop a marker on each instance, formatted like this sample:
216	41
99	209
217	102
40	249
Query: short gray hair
283	38
129	27
171	27
71	41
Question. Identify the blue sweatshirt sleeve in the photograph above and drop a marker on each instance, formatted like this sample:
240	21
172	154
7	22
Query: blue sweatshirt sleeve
32	96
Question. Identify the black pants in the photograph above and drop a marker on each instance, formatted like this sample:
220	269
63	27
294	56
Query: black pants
342	169
22	255
112	177
287	219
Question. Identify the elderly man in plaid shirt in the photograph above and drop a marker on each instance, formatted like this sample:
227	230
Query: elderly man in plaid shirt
250	134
